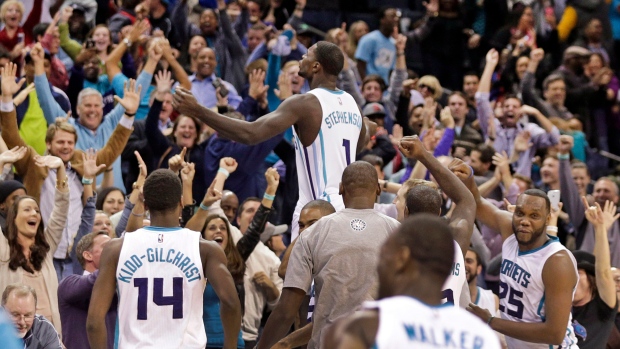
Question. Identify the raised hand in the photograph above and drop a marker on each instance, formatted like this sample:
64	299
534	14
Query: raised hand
510	207
164	81
412	147
67	12
49	161
212	195
229	164
188	172
138	30
185	102
401	42
257	89
142	166
131	98
273	178
37	53
9	85
601	217
461	169
222	101
21	96
91	169
397	134
156	50
13	155
523	142
566	144
492	57
502	162
285	88
445	117
177	162
537	55
432	6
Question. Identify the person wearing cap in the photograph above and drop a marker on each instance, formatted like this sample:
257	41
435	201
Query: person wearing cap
272	238
379	144
9	190
595	303
579	88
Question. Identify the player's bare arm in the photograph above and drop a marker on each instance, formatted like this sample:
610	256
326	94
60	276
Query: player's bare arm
355	332
216	272
103	293
304	111
282	317
560	279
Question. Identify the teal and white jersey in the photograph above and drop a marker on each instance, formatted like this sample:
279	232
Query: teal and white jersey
522	292
453	286
160	284
320	165
405	322
486	300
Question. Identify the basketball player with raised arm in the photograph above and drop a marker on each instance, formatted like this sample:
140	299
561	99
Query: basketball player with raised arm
424	199
538	274
413	266
329	128
160	274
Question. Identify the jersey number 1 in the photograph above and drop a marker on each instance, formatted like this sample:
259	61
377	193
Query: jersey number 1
347	150
176	300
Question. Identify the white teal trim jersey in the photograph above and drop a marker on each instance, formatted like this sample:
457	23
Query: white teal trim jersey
405	322
160	283
455	282
521	289
486	300
320	165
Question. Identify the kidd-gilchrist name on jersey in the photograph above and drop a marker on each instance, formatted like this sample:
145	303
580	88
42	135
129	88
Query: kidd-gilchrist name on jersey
160	284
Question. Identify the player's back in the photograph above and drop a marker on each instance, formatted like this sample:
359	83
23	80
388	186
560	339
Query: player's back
160	284
320	165
522	291
405	322
455	282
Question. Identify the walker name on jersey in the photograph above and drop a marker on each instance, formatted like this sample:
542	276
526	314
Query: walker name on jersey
443	337
515	272
343	117
160	255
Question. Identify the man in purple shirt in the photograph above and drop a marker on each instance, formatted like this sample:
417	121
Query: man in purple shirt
74	293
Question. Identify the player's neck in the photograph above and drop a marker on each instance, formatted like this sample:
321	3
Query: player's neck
421	289
540	242
165	220
323	81
359	203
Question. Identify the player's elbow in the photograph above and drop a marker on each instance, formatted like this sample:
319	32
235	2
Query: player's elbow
231	304
556	337
282	271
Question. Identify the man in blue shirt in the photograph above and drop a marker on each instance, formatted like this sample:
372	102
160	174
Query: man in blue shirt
202	81
376	51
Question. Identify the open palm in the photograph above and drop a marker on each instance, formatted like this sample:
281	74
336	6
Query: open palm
9	85
131	98
49	161
90	164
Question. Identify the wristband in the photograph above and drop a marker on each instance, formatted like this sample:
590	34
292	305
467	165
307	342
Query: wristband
203	207
563	156
137	214
224	172
472	172
269	197
489	321
87	181
552	228
130	114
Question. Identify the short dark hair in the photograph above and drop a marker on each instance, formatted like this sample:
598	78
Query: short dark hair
251	198
323	206
541	194
39	30
513	96
478	259
423	199
429	240
162	191
330	57
373	159
486	152
383	10
551	79
458	93
579	165
4	53
376	78
360	177
86	243
471	73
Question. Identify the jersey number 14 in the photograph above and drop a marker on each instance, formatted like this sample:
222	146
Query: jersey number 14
176	300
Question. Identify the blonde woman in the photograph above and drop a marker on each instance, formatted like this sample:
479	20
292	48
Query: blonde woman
12	36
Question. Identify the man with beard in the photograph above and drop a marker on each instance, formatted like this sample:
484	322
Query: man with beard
509	125
485	299
538	275
329	128
604	189
413	265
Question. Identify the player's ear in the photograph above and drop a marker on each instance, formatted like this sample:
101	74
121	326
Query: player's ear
406	211
403	255
378	189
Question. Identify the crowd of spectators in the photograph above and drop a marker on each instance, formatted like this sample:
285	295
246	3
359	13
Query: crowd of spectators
525	92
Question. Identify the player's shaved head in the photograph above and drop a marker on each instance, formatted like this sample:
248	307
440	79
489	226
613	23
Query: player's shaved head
423	248
322	206
162	191
330	57
423	199
359	177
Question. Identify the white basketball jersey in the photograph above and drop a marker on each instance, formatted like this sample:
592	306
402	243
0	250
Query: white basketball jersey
486	300
453	285
320	165
522	292
405	322
160	285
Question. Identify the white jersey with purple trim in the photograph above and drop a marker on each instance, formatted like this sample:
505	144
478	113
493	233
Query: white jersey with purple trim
320	165
160	283
405	322
522	291
455	282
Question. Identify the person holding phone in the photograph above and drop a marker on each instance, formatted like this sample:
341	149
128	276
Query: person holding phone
205	84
